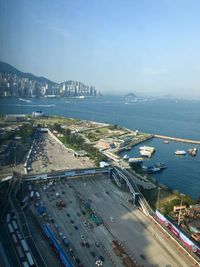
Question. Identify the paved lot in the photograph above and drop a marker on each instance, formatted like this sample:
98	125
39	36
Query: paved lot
121	221
49	155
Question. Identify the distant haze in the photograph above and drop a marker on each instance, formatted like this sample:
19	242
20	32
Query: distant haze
119	46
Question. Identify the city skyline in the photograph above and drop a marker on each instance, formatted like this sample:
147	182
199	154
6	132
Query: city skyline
148	47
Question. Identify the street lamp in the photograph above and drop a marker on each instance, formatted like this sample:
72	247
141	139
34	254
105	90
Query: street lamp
158	199
179	215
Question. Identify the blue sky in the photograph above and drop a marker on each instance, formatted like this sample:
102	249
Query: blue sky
151	47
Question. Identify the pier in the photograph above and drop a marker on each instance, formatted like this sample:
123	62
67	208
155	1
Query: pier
177	139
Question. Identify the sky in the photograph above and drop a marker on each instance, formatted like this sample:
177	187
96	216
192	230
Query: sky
148	47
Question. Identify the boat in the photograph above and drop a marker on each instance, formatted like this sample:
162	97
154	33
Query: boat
80	97
161	166
145	153
166	142
192	151
150	169
148	148
25	100
180	152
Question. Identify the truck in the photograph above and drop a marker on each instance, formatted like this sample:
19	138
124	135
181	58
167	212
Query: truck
30	259
24	245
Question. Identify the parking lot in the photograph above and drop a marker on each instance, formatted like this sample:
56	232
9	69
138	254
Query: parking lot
90	212
48	155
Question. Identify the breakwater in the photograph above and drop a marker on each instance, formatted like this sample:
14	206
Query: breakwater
177	139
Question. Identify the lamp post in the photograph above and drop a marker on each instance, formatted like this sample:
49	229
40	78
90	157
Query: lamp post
179	215
158	199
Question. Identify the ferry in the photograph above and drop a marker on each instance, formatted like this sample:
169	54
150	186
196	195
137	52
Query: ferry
180	152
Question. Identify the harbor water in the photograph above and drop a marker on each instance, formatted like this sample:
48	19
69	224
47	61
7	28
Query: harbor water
176	118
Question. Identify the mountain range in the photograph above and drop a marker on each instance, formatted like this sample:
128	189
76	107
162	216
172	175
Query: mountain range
6	68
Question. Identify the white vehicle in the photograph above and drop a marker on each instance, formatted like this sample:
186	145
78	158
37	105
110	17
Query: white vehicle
32	194
112	219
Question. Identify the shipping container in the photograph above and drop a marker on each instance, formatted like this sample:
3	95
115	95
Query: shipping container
30	259
24	245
